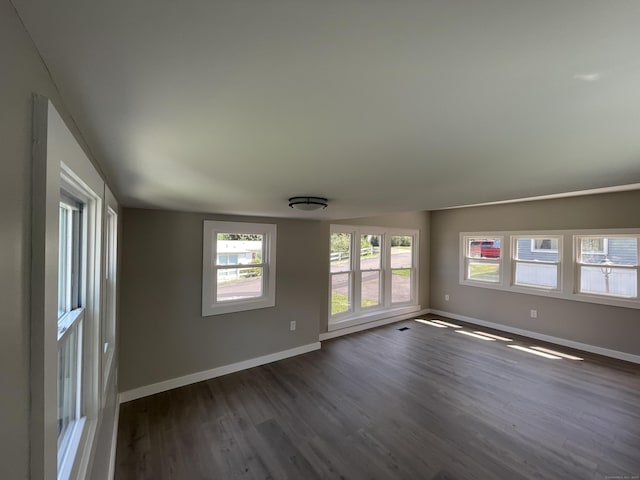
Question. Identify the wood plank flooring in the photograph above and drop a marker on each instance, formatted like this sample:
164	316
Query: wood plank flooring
424	403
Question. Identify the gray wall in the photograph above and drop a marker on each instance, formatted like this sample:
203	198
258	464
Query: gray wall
599	325
162	332
23	74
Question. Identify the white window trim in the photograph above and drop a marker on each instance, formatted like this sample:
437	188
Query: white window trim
75	462
59	162
110	283
357	314
569	279
515	260
578	264
210	305
464	265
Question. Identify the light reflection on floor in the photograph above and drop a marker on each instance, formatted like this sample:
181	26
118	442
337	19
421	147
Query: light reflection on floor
534	350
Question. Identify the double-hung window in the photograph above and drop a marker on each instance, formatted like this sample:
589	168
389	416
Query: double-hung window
66	297
79	287
482	258
373	273
607	265
239	266
536	261
342	272
71	314
402	269
370	270
596	266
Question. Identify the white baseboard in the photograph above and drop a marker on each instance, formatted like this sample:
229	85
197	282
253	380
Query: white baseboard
368	325
114	441
545	338
214	372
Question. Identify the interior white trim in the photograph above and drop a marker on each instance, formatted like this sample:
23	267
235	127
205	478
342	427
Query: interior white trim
214	372
577	193
114	441
629	357
366	326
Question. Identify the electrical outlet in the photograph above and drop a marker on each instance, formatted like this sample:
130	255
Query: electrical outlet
446	297
534	313
292	325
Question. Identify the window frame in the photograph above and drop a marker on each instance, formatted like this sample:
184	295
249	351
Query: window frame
569	278
210	303
108	326
465	247
380	270
579	264
60	164
73	458
359	314
516	261
351	272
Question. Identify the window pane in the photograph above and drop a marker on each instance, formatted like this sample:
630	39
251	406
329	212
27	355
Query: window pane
370	252
370	288
593	246
340	252
608	280
340	293
484	272
542	249
239	283
64	270
483	247
68	380
537	275
238	248
401	251
611	251
401	285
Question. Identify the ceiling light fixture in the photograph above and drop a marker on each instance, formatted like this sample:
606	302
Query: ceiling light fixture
308	203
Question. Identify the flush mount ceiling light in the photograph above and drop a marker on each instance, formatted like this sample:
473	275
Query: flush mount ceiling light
308	203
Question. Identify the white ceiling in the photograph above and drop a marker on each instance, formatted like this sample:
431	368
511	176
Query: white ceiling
381	106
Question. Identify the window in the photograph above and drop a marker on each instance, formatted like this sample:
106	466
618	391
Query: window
482	258
372	273
370	270
79	287
110	273
544	245
66	300
608	265
71	271
342	272
536	262
402	268
239	267
597	266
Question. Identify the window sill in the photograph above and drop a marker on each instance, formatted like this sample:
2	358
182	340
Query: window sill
624	302
237	306
366	317
70	449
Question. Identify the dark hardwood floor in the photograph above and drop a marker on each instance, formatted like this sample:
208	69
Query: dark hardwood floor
424	403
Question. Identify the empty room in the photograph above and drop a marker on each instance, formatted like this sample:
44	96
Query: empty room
300	239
